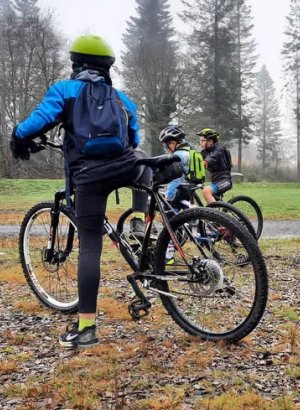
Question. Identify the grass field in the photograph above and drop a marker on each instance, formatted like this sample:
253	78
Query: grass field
278	201
20	194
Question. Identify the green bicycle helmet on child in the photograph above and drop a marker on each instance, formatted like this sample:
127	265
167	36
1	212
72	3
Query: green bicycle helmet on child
209	133
92	50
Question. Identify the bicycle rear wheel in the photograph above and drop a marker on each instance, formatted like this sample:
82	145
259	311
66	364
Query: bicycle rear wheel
218	290
53	281
135	242
251	209
235	212
123	221
231	210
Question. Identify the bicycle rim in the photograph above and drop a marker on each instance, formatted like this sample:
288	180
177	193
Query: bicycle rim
218	283
235	212
54	282
135	242
251	209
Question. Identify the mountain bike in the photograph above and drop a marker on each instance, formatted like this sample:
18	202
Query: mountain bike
124	219
242	207
207	291
247	205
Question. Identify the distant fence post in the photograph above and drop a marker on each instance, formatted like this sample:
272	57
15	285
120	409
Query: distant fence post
237	177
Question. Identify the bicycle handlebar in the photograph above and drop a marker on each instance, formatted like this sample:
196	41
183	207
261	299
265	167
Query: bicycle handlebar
54	145
158	161
44	141
152	162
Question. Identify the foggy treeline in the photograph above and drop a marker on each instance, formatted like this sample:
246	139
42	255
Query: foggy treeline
204	76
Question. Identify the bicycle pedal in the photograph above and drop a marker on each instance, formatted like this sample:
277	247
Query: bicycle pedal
139	308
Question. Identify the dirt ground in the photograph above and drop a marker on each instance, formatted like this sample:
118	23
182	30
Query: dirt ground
149	364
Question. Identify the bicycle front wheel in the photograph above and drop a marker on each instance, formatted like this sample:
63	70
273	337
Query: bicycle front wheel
53	280
215	288
251	209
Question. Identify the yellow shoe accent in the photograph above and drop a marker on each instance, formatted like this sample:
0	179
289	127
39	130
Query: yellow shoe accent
139	215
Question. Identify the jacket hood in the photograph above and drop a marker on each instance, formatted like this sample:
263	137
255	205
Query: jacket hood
89	75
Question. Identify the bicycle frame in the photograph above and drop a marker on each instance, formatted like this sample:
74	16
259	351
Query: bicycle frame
156	199
141	268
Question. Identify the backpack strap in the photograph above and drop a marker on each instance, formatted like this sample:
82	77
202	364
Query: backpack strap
68	177
228	158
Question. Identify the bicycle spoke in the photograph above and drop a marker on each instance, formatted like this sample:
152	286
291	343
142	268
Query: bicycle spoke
54	281
220	290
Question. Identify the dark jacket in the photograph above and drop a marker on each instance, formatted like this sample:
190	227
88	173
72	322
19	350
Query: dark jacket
218	163
57	107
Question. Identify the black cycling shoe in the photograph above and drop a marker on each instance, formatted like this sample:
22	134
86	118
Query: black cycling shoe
137	228
74	338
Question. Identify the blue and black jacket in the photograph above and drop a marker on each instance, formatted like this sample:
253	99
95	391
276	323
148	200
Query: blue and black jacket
57	107
182	151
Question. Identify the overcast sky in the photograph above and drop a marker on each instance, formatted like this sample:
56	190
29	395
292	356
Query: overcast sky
108	18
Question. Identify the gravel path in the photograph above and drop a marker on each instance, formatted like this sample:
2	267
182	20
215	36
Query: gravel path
272	229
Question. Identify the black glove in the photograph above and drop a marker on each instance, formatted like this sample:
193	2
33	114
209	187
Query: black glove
21	148
37	147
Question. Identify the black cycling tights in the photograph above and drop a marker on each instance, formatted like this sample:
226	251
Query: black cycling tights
90	206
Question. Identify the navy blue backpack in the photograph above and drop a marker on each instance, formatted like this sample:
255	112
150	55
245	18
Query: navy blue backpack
100	121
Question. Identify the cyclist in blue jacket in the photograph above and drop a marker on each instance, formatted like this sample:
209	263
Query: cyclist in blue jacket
94	178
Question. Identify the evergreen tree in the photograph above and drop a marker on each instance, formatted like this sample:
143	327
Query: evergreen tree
246	77
291	53
267	122
220	68
150	66
211	69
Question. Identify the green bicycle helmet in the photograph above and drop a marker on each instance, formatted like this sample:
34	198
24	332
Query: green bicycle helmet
209	133
92	50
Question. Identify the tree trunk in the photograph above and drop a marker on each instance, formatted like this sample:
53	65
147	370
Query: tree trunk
298	121
239	97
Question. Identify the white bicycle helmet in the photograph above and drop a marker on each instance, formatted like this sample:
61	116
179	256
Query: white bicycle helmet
171	133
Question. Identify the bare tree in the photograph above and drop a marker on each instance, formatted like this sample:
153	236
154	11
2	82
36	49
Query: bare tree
30	60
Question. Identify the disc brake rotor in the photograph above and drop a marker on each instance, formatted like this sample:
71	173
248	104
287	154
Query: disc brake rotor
209	277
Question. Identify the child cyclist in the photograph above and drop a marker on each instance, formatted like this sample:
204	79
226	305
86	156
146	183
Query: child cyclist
173	138
97	169
217	160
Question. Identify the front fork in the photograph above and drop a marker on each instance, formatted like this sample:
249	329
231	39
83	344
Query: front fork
50	255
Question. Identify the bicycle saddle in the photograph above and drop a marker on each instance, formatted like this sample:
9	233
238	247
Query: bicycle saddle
158	162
